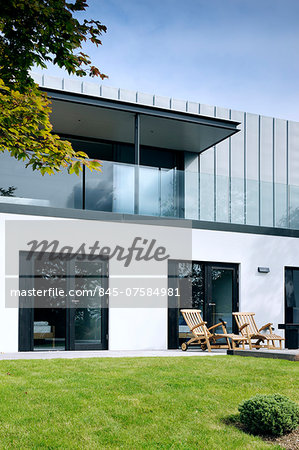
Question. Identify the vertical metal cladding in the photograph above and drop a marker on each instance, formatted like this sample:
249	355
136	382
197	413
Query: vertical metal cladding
252	178
256	172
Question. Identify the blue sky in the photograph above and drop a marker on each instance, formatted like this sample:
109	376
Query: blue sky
241	54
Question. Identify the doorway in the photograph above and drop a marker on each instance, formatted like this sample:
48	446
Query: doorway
63	305
292	307
210	287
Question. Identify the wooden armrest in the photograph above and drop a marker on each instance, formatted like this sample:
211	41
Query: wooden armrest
220	324
264	327
198	325
244	326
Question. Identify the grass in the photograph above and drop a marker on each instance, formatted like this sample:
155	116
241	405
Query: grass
135	403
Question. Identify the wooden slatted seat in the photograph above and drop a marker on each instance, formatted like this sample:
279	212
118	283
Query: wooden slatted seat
248	328
204	336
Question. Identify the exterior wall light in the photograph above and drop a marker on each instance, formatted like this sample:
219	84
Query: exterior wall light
263	269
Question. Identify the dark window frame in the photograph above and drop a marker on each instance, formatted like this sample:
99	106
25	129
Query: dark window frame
26	310
173	330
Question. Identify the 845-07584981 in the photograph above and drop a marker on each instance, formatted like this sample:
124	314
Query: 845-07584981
137	292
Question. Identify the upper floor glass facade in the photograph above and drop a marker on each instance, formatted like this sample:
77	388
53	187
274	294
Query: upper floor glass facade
249	178
154	191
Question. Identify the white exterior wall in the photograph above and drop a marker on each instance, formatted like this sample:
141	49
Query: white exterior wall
134	323
8	316
146	327
258	292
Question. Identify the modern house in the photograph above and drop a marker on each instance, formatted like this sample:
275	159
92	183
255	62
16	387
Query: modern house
199	206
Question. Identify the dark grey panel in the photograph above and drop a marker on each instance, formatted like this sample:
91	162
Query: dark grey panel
114	120
130	218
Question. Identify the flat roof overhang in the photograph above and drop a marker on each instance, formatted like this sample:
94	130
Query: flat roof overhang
101	118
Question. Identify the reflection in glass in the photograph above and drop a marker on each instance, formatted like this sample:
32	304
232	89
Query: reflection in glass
88	311
292	306
99	189
294	207
50	308
161	192
112	190
168	193
222	292
149	191
188	278
206	194
69	310
123	188
60	190
281	219
197	286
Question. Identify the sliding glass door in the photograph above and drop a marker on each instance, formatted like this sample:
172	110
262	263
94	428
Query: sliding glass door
62	308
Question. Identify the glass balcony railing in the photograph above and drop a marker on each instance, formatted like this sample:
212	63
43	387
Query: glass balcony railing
31	188
129	189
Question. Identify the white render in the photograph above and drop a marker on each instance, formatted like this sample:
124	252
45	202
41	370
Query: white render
258	292
145	328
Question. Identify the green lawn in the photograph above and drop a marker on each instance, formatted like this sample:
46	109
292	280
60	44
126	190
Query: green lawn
135	403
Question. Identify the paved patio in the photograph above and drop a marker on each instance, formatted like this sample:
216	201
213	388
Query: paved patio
109	354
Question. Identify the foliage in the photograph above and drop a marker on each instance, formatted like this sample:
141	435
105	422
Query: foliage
269	414
9	192
34	32
26	131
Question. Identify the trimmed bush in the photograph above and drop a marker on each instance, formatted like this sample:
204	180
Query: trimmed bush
273	415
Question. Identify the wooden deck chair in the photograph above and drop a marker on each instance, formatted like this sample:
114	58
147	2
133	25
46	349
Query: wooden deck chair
204	336
248	328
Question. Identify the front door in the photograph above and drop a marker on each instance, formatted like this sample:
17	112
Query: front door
210	287
221	294
62	306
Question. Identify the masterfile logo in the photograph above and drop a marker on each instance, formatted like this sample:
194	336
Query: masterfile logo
140	250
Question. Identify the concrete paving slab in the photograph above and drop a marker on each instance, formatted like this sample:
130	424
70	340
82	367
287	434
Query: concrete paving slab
291	355
109	354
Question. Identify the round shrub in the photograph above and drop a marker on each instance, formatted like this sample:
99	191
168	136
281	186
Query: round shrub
269	414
